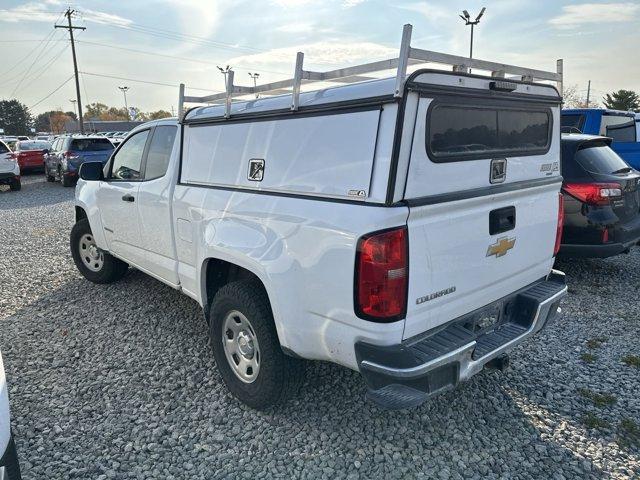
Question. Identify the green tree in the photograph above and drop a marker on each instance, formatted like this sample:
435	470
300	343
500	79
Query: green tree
15	118
622	100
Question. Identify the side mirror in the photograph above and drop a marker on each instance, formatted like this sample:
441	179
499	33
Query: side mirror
91	171
45	151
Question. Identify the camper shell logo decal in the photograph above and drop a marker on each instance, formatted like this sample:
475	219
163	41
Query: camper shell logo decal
256	169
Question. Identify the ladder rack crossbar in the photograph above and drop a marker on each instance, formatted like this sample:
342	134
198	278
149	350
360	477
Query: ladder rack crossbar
407	56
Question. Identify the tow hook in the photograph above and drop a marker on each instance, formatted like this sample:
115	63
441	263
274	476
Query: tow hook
499	363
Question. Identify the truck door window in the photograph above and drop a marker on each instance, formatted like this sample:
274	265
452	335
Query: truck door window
159	151
127	161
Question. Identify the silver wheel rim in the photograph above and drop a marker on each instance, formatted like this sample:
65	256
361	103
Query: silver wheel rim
241	346
91	255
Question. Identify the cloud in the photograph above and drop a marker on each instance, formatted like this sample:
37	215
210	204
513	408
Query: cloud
41	12
292	3
574	16
352	3
296	27
428	10
331	53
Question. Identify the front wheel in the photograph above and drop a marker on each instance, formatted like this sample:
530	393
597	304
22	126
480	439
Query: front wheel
50	178
94	264
246	347
15	185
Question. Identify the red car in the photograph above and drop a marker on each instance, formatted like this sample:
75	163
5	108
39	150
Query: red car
30	154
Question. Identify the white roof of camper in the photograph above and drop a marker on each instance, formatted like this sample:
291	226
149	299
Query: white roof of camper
359	91
341	93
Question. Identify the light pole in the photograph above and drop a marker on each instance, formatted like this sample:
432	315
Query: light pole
255	80
224	71
124	90
73	101
467	21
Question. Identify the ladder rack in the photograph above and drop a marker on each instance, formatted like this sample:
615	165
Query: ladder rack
408	56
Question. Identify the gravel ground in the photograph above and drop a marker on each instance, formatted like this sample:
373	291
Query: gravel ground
119	382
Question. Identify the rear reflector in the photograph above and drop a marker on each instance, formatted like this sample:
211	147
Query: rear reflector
381	276
560	225
593	193
605	235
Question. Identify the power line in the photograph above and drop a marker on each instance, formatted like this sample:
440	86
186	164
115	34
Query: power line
187	59
173	35
147	81
54	91
25	57
46	66
26	72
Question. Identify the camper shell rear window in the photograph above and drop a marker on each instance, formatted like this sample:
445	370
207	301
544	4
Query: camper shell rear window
457	132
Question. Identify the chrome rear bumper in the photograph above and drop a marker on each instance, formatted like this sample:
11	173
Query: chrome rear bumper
406	375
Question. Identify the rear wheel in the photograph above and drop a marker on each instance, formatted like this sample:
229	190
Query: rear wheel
94	264
15	185
50	178
66	180
247	349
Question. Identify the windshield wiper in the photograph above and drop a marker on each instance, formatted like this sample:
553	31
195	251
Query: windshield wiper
622	170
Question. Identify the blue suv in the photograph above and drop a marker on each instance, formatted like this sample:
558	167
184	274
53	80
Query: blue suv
618	125
67	153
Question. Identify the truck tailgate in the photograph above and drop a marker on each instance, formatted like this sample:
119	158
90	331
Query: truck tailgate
457	266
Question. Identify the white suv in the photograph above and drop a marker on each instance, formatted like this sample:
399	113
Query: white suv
9	168
409	236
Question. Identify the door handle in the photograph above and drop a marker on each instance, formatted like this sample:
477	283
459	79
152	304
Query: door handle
128	198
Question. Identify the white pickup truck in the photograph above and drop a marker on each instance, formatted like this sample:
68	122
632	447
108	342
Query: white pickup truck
406	233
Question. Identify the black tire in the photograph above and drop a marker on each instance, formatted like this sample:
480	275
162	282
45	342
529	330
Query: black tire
15	185
280	376
66	180
50	178
112	269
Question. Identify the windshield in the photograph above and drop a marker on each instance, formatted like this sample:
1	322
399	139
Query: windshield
571	123
33	146
599	158
91	145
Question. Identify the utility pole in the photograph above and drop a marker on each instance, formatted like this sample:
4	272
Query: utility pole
71	28
588	92
124	90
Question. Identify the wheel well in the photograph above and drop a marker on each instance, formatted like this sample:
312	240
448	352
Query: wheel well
80	214
219	274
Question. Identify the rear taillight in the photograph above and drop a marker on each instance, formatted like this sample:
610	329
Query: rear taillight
560	224
381	276
593	193
70	156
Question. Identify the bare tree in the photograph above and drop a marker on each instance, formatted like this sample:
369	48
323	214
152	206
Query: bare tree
573	98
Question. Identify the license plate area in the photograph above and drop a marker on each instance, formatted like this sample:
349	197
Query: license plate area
485	320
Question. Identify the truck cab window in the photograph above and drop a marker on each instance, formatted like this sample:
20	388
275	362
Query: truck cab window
159	151
126	163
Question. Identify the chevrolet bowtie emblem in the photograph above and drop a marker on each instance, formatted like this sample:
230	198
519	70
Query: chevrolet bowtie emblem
501	247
